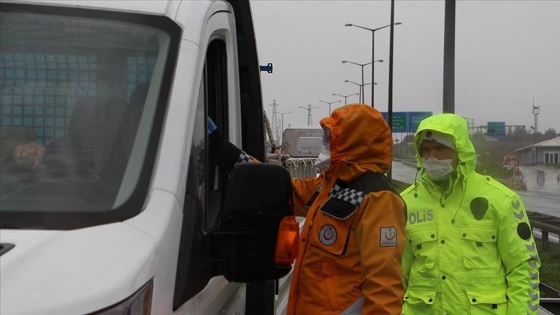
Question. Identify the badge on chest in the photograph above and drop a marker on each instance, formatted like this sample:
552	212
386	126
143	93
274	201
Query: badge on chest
327	235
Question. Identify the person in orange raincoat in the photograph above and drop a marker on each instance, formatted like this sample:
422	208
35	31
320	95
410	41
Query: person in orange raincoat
352	242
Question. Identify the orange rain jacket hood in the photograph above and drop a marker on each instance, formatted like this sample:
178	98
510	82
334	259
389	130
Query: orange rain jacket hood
353	238
359	134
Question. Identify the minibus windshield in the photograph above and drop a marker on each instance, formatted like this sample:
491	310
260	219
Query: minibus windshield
79	96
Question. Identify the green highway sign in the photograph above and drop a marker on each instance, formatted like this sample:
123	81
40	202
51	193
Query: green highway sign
406	121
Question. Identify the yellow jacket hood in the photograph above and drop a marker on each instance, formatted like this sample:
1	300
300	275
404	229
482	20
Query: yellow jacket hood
456	127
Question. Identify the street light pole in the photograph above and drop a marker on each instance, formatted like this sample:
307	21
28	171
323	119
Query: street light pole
362	65
372	70
449	58
372	30
330	105
283	124
536	113
345	96
360	85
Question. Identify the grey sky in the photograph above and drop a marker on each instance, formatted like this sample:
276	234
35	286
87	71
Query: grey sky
507	53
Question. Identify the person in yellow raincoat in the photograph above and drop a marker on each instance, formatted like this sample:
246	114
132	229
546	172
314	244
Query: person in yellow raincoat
470	247
349	259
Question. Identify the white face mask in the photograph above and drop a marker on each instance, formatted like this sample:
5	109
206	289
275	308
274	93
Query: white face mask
438	169
323	162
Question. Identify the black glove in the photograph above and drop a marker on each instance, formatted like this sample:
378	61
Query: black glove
222	152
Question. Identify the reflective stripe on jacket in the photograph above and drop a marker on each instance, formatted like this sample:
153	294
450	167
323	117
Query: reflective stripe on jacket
470	250
352	241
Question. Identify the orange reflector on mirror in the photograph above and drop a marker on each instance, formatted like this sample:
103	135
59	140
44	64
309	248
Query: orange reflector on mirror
287	241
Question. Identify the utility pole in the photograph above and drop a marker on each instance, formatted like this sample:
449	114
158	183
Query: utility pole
275	119
449	58
309	108
269	131
390	89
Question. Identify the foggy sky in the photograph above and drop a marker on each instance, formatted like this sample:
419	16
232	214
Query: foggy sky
507	54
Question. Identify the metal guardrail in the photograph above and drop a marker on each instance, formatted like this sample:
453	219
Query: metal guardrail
547	225
551	303
298	167
301	167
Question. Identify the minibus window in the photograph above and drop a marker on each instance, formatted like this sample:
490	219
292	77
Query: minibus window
78	101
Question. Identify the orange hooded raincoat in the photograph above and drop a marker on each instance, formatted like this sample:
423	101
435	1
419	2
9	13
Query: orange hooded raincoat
352	242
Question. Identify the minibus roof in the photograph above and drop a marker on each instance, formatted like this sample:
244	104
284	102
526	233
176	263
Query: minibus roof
157	7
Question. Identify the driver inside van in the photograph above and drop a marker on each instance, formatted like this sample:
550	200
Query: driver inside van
29	154
32	154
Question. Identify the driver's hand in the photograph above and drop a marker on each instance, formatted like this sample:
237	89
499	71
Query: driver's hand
30	154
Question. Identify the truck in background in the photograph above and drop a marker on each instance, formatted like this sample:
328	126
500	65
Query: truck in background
127	212
299	151
302	142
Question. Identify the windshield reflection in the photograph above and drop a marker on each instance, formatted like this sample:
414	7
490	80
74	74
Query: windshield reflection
75	91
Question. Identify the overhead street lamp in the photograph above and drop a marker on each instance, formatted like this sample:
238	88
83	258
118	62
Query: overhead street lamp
372	30
361	65
345	96
361	87
329	104
283	124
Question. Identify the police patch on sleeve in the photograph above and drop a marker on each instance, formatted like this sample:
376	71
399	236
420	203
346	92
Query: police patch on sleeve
524	231
327	235
388	237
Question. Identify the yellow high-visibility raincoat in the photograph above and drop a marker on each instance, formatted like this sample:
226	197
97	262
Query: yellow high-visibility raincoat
470	247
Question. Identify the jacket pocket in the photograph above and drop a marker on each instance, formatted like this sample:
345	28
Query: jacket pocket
479	248
424	247
419	302
484	302
330	234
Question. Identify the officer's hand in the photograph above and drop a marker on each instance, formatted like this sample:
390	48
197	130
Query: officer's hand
30	154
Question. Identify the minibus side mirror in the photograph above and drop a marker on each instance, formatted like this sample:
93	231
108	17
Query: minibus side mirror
255	240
